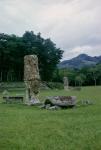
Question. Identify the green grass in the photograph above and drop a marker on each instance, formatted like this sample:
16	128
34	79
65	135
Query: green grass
30	128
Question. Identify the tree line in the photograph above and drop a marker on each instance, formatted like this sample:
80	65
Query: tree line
80	77
13	49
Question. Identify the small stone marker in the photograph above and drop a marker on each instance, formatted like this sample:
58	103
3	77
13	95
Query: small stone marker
31	79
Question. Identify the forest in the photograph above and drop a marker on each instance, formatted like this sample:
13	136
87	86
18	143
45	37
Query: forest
13	49
80	77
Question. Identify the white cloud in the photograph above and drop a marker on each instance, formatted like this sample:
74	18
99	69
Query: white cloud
74	25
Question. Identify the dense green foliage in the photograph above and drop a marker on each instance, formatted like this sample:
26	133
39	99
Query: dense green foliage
14	48
79	77
29	128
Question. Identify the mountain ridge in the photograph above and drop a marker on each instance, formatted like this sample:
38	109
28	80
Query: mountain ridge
80	61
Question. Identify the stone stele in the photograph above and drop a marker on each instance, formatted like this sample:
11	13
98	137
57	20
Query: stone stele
31	79
66	84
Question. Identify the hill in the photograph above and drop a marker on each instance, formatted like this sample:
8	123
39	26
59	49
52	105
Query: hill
80	61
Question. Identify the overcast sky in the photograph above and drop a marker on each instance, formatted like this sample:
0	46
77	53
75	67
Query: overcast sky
74	25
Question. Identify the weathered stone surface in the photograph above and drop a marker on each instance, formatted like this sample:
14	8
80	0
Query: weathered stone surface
50	107
35	102
54	108
31	71
47	106
31	78
62	101
66	84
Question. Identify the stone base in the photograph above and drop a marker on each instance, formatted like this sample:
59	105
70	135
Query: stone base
35	102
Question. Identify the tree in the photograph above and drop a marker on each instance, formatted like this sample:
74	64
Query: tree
94	73
78	80
48	55
14	48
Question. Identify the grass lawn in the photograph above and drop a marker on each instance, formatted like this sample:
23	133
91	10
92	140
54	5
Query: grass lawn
30	128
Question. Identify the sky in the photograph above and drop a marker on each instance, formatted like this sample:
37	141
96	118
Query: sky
74	25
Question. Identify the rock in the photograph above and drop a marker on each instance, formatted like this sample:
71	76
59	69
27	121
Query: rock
35	102
47	106
61	101
42	106
54	108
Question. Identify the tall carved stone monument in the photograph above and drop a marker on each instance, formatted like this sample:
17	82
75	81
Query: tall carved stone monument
66	84
31	79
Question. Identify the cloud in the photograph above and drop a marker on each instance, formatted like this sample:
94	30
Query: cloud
74	25
90	50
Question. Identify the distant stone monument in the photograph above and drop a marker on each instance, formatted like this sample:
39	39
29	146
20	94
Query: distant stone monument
31	79
66	84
